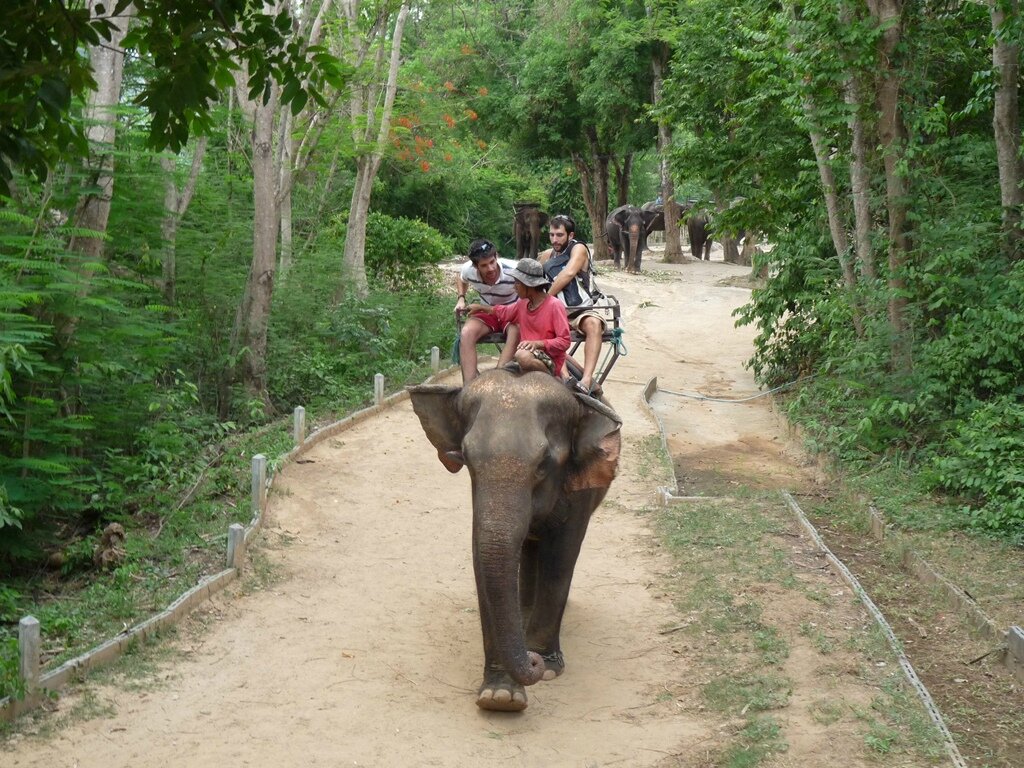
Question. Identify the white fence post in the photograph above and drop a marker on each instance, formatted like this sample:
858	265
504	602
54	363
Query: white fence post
299	427
29	644
259	483
435	359
236	546
378	388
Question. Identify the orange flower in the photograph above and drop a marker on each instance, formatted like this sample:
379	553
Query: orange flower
450	120
481	143
471	114
482	91
424	166
449	85
466	49
447	157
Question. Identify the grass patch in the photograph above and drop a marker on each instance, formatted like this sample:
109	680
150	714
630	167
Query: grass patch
747	693
759	739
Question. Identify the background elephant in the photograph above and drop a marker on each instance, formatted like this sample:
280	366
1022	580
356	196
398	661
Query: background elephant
627	228
658	223
526	227
540	459
698	229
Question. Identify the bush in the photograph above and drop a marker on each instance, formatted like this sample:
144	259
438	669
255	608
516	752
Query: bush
984	462
398	250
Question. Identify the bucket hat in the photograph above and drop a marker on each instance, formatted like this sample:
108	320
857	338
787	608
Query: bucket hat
530	272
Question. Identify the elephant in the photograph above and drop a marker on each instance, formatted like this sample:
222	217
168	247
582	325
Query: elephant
698	228
541	459
658	223
626	229
529	221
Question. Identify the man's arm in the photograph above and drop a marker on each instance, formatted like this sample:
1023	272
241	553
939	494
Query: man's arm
577	261
462	287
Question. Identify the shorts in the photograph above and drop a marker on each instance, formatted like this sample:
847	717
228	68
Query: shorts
491	321
574	321
545	358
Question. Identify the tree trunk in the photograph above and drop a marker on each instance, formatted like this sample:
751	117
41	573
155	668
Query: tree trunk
673	245
594	185
836	225
107	59
892	138
176	202
259	288
623	173
1006	120
859	180
363	104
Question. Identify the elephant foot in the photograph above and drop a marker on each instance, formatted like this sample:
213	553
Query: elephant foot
554	665
499	693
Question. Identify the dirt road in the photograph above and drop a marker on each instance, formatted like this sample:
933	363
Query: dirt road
365	650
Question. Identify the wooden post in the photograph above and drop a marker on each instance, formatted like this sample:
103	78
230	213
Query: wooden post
299	427
259	483
236	546
435	359
29	644
378	388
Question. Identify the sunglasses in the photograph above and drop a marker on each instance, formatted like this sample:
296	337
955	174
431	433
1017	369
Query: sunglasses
480	250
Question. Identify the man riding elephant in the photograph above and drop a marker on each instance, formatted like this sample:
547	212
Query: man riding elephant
568	264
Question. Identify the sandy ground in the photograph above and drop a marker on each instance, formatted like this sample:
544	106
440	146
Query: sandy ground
366	650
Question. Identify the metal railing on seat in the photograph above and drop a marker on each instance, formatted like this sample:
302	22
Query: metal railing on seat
609	308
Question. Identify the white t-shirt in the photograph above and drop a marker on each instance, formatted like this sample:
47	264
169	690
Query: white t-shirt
502	292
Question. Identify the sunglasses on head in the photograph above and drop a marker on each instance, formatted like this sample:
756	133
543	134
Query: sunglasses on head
480	250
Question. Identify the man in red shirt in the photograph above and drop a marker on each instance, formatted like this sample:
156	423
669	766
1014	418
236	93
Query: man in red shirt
542	320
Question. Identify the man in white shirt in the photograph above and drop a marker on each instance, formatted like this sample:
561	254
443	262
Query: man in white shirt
488	275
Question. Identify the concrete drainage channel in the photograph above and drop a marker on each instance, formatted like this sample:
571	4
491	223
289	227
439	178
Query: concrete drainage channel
39	685
1011	641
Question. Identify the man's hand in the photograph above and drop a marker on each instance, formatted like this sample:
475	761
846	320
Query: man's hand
460	306
480	309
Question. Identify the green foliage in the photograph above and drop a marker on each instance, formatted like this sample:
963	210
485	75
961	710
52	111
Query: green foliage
327	352
984	461
45	67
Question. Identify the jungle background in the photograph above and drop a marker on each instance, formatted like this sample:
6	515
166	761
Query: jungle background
214	213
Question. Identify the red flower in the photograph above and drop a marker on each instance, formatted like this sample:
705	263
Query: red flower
424	166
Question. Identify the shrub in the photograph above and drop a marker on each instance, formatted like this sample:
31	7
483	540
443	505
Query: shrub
984	462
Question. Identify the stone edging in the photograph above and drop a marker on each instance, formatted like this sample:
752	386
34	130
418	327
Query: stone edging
53	681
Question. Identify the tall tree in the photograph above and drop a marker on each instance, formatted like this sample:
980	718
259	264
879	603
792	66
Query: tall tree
1006	117
375	54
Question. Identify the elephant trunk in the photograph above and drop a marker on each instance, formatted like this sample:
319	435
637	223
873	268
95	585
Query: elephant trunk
498	533
634	246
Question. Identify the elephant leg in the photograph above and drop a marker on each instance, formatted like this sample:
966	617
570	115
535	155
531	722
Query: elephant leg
557	552
498	692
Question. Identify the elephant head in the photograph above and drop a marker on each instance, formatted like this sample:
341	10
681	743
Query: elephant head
540	460
627	228
527	225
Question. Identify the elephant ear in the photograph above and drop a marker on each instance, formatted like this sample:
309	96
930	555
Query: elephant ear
437	409
596	447
651	220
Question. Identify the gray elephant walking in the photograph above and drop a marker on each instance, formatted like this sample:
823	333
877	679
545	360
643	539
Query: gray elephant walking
541	459
626	230
526	228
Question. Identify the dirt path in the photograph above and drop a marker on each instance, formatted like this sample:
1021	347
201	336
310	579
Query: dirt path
366	651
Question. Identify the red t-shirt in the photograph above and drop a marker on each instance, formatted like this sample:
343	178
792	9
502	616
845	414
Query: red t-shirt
548	323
